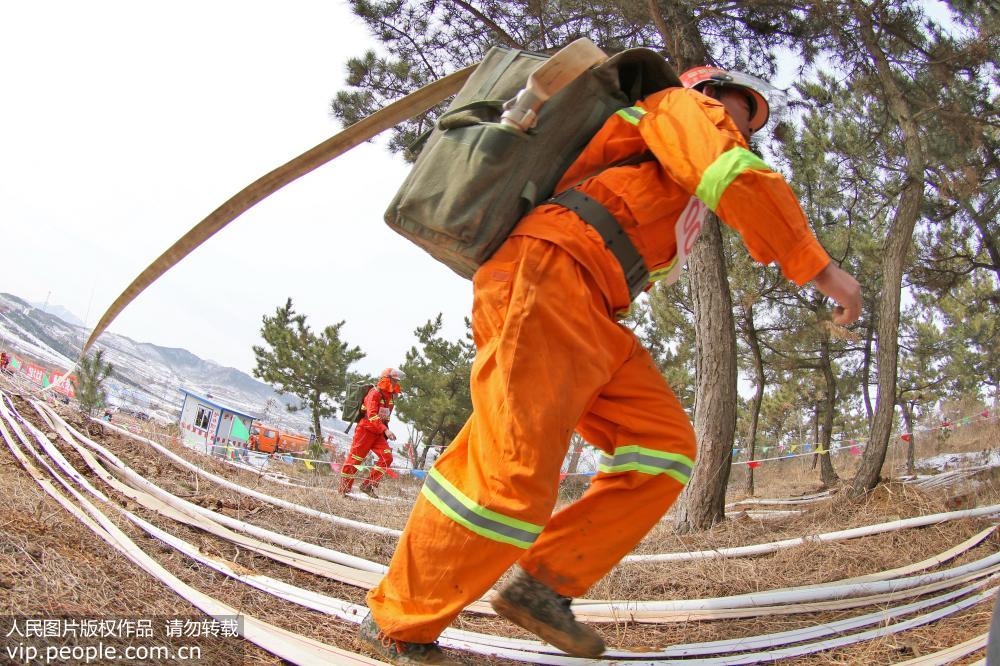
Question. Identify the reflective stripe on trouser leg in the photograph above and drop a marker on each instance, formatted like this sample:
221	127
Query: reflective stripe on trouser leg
494	487
635	458
453	503
649	454
361	444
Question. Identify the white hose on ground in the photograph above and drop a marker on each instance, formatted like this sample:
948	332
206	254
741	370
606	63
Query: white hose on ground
948	655
293	647
618	606
742	551
486	644
285	504
805	499
841	535
299	545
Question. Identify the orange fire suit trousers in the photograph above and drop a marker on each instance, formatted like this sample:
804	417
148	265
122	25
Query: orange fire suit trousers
550	359
365	441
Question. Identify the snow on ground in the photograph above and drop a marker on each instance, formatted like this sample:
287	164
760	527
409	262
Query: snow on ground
950	461
30	345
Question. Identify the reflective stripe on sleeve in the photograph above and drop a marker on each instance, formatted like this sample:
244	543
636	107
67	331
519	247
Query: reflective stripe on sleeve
631	114
453	503
726	168
647	461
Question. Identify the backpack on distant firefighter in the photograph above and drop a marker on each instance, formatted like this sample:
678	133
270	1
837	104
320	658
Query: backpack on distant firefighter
354	404
475	177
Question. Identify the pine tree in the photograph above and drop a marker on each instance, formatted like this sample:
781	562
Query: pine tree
312	367
423	41
436	399
665	325
970	317
89	381
922	368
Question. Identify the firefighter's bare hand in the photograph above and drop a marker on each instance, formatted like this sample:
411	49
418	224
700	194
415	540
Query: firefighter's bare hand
839	285
389	436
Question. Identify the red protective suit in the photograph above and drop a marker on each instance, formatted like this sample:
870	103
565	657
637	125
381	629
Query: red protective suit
552	358
369	436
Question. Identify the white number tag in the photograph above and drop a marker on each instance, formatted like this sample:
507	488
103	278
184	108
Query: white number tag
686	231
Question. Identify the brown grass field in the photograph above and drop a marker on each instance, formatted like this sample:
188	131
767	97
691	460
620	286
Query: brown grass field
52	565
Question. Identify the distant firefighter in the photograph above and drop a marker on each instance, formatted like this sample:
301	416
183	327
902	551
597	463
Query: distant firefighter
373	434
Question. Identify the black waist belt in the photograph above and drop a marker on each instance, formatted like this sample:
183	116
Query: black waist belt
596	215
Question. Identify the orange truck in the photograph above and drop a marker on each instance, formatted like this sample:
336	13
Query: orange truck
268	439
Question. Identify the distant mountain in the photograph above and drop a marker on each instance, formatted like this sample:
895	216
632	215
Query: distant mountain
146	376
61	312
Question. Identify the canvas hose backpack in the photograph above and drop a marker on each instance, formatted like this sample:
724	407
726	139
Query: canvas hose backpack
475	177
354	404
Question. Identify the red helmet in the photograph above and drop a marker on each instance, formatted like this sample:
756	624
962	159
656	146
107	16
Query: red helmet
393	373
388	380
698	77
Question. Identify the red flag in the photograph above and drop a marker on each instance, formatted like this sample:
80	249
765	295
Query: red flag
753	464
905	437
985	414
855	451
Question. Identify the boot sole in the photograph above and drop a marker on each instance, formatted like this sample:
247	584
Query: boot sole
590	647
375	651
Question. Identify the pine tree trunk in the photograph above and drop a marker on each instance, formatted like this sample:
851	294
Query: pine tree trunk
826	472
815	434
316	446
576	450
897	245
428	445
703	502
758	396
911	445
866	368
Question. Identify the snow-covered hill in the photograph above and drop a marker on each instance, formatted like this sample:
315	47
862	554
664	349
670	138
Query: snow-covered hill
146	376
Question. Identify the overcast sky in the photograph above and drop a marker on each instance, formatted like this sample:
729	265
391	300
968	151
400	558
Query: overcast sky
125	123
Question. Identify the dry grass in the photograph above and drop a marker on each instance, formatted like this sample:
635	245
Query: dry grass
50	564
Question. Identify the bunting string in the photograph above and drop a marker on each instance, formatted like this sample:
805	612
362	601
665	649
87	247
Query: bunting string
855	446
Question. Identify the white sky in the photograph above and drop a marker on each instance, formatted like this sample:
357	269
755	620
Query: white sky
125	123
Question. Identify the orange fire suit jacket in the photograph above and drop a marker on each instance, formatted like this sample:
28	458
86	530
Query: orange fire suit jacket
378	409
702	162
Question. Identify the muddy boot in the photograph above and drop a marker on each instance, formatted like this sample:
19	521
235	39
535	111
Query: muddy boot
529	604
401	652
368	490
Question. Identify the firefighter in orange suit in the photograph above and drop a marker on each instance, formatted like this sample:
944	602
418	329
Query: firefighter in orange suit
373	434
552	358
